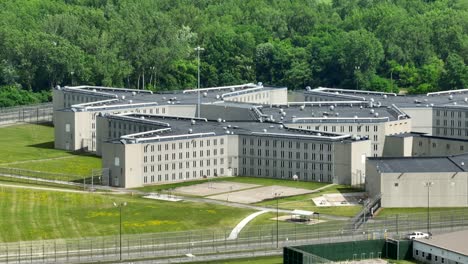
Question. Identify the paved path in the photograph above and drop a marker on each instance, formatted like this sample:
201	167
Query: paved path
235	232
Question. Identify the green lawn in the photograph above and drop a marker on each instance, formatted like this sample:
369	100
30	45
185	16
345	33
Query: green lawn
35	214
74	165
28	142
304	202
31	147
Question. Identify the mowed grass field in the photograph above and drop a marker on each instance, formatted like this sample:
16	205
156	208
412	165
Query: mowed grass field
31	147
36	214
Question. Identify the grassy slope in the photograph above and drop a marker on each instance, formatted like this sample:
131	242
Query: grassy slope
34	214
34	142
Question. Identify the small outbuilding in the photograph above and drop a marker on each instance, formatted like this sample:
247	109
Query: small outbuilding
449	248
301	215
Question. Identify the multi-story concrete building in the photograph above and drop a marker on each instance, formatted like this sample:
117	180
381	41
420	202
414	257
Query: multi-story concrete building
76	108
357	119
419	181
176	149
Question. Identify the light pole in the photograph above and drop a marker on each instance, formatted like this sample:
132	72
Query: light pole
120	205
356	69
198	49
428	185
277	195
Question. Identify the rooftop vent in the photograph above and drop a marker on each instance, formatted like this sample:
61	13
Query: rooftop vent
337	114
385	96
219	120
332	108
133	93
281	126
205	94
319	134
450	97
302	107
218	96
233	89
142	118
264	130
123	97
360	107
193	122
130	101
462	163
372	111
190	131
260	84
227	132
164	98
308	88
376	114
355	117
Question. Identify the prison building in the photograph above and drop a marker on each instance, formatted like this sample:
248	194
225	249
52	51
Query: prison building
437	113
178	149
423	145
357	119
76	108
419	181
448	248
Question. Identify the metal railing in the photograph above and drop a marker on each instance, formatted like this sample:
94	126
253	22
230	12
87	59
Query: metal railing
259	238
27	114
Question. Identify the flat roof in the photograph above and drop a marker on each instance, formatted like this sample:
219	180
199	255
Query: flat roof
441	99
456	163
193	126
331	114
454	241
122	96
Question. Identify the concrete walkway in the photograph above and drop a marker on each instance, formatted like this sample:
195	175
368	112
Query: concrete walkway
235	232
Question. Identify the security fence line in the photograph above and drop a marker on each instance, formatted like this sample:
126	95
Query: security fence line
216	241
27	114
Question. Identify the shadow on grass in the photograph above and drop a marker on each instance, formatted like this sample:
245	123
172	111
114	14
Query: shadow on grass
43	145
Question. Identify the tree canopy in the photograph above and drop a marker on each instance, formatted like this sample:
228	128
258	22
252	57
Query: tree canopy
148	44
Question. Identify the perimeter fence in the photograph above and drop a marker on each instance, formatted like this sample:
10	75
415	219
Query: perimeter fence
207	242
27	114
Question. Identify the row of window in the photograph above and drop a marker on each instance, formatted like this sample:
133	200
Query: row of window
180	155
183	165
342	128
290	154
451	132
290	164
451	113
188	145
182	176
447	146
283	144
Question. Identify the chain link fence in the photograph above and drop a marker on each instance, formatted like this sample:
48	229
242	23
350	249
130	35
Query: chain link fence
216	241
26	114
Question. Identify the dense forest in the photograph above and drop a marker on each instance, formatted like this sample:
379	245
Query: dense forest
418	45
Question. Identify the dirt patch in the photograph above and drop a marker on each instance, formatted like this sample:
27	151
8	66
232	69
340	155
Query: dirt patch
259	194
215	187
